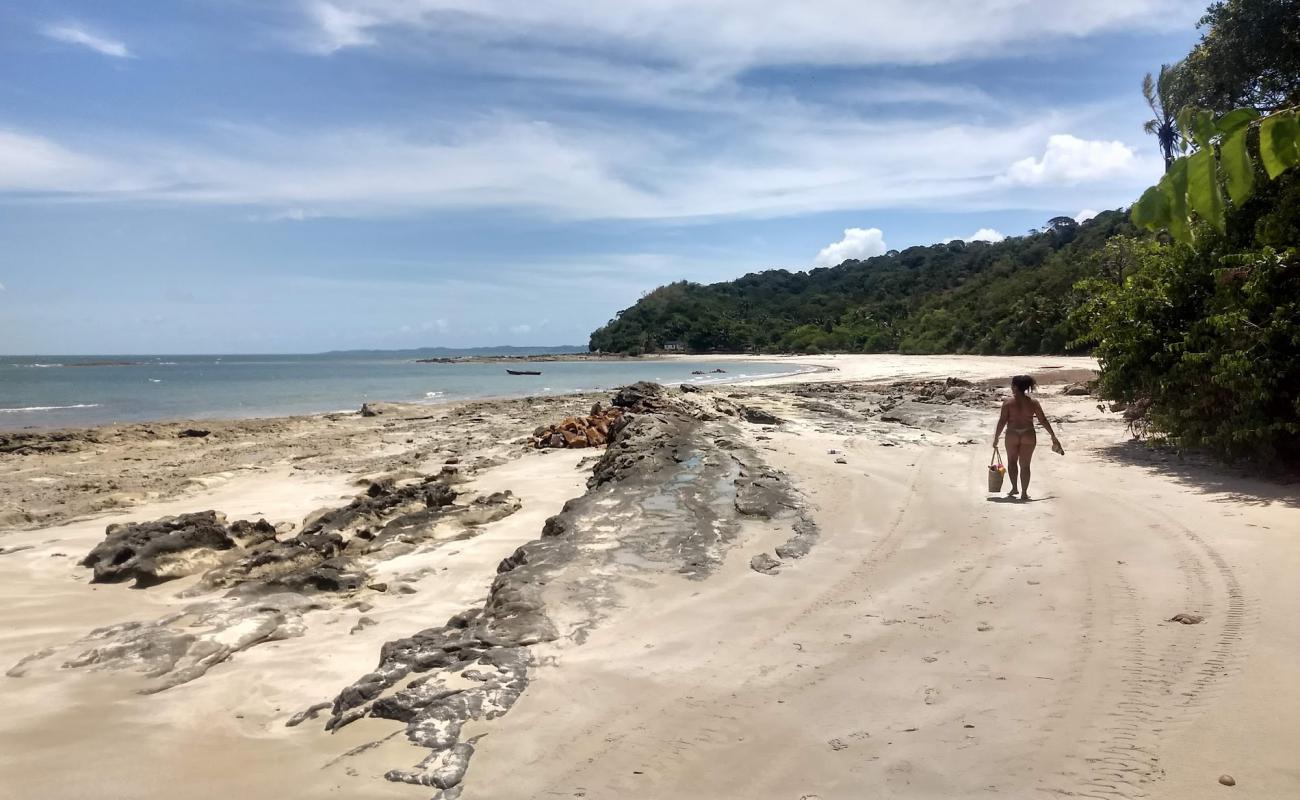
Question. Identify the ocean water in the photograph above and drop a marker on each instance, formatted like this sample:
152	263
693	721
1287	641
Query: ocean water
53	391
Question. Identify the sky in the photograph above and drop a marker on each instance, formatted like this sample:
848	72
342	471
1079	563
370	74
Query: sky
249	176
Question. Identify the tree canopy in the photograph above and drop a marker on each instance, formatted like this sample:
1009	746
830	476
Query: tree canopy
1011	296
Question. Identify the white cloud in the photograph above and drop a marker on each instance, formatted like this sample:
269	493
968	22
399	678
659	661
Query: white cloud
781	159
1070	160
728	36
521	328
1084	215
2	287
78	35
37	164
857	243
986	235
337	27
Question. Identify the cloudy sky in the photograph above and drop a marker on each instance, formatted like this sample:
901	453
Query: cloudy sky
304	175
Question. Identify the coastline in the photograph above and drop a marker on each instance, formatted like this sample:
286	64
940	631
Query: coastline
814	599
201	389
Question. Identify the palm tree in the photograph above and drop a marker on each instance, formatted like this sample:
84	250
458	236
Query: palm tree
1157	93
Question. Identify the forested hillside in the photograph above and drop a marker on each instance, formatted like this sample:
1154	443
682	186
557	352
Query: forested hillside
1012	296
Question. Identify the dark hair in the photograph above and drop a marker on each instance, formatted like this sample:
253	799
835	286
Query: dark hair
1023	383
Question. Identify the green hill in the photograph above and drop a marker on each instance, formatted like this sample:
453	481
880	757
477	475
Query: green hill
1010	297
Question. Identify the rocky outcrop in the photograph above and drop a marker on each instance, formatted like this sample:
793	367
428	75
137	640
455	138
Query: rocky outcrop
589	431
212	633
171	547
267	582
758	416
669	494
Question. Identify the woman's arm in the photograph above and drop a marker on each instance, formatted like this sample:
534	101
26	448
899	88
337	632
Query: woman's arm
1038	412
1002	423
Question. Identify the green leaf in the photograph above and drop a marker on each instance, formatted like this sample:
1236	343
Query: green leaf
1204	194
1277	143
1238	170
1174	187
1202	128
1151	211
1234	121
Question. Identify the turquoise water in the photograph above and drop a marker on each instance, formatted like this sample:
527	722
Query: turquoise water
54	391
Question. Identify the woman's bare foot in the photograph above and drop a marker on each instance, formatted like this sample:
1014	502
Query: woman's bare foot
1013	492
1024	498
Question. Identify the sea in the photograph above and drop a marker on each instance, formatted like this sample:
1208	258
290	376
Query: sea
73	391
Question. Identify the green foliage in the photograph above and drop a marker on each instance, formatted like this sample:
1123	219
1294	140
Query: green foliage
1208	338
1248	56
1009	297
1238	170
1194	184
1279	149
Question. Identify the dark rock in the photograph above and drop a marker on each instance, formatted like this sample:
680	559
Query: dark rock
249	534
369	411
765	564
758	416
306	714
690	388
193	433
157	551
639	395
378	587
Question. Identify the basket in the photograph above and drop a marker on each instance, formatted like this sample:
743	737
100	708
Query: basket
996	471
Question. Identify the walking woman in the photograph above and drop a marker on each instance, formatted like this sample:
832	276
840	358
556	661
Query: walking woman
1018	414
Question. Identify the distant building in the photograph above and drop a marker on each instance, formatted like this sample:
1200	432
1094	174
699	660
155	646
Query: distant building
675	347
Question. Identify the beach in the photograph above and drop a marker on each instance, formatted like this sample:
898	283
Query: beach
793	587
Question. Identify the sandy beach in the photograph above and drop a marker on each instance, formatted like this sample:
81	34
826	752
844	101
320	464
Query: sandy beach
792	588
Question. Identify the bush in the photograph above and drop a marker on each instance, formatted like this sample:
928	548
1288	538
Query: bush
1209	339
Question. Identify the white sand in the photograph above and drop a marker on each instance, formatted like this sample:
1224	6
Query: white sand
934	644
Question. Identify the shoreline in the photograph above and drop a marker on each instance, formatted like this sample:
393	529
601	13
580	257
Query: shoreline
814	368
806	580
11	424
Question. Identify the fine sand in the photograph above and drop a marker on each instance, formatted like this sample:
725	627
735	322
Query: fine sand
935	642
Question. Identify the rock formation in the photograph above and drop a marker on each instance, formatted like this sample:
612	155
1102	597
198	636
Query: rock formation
670	494
171	547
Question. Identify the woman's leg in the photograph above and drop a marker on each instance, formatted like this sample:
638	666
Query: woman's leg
1025	451
1013	455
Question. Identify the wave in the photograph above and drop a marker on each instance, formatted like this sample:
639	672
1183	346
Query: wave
46	408
432	395
41	366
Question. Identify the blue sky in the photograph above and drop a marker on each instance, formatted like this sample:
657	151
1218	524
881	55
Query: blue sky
305	175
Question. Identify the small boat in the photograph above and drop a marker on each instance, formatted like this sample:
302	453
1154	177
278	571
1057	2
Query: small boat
522	372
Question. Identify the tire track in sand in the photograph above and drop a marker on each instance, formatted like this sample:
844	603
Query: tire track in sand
1161	677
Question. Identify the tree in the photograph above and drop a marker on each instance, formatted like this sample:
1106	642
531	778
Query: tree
1159	96
1248	56
1220	173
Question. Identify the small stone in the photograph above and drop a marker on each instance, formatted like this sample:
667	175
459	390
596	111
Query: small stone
983	626
378	587
1187	619
841	460
1227	780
